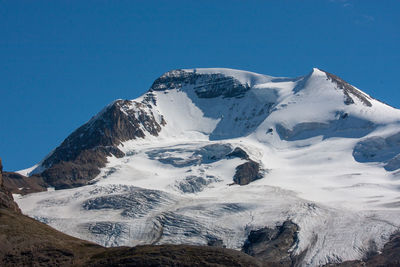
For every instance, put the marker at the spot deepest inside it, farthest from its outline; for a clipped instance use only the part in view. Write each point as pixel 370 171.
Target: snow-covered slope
pixel 316 151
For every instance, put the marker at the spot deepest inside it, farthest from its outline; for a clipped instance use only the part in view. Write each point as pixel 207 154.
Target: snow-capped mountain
pixel 211 156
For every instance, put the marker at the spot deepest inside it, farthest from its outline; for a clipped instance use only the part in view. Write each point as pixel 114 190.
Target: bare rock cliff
pixel 6 199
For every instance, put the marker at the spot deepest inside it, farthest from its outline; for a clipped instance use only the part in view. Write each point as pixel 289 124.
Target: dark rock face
pixel 204 85
pixel 247 173
pixel 272 244
pixel 6 199
pixel 174 79
pixel 78 159
pixel 220 85
pixel 19 184
pixel 349 91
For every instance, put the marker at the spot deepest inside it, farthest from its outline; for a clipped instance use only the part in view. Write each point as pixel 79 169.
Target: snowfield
pixel 328 165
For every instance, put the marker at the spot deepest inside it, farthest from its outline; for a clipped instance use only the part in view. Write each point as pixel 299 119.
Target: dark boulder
pixel 247 173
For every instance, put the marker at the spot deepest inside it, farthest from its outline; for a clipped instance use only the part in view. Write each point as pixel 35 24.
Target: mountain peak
pixel 317 71
pixel 208 101
pixel 350 93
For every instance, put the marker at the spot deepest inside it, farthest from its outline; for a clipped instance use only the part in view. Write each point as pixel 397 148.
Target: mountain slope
pixel 210 155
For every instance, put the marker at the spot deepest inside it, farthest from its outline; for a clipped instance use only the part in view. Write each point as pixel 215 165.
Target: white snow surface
pixel 299 130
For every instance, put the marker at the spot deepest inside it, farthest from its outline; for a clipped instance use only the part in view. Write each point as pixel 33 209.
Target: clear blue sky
pixel 63 61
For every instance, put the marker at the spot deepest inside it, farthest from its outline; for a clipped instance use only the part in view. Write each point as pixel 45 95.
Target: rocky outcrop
pixel 273 244
pixel 204 85
pixel 78 159
pixel 19 184
pixel 220 85
pixel 247 173
pixel 349 91
pixel 6 199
